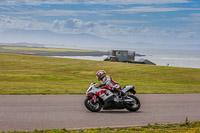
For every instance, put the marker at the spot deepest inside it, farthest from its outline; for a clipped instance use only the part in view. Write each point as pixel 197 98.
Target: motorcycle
pixel 96 99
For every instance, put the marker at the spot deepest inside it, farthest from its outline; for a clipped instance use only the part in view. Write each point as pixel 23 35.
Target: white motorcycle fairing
pixel 102 93
pixel 128 88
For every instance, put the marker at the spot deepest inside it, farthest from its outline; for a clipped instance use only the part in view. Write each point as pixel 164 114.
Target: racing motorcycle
pixel 97 98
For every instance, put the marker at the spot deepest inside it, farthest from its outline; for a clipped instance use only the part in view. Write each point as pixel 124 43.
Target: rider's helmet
pixel 101 74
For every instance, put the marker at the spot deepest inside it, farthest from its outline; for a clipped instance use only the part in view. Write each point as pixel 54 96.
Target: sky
pixel 169 24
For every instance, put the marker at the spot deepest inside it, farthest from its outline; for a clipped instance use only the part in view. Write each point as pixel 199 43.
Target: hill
pixel 51 39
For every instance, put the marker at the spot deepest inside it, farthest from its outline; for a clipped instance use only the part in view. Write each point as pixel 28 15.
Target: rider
pixel 108 82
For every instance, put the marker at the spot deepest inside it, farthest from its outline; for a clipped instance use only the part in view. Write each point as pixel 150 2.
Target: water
pixel 96 58
pixel 176 58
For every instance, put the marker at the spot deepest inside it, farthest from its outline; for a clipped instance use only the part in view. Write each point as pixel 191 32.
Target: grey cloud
pixel 151 9
pixel 72 23
pixel 7 22
pixel 103 2
pixel 54 12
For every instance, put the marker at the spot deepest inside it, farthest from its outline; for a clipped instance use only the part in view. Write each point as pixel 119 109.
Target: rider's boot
pixel 121 93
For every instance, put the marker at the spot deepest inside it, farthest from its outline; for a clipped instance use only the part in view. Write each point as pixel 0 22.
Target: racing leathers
pixel 109 83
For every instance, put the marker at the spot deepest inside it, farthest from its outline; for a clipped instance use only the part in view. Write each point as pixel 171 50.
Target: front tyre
pixel 134 105
pixel 91 106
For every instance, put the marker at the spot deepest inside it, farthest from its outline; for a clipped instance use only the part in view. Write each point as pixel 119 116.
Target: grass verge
pixel 29 74
pixel 187 127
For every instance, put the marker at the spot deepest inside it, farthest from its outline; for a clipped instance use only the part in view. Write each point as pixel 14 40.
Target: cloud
pixel 99 28
pixel 125 21
pixel 63 12
pixel 195 14
pixel 128 2
pixel 57 12
pixel 72 25
pixel 53 12
pixel 189 34
pixel 102 2
pixel 151 9
pixel 116 29
pixel 194 17
pixel 7 22
pixel 4 8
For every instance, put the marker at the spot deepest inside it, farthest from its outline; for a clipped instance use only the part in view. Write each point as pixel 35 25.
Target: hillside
pixel 43 51
pixel 30 74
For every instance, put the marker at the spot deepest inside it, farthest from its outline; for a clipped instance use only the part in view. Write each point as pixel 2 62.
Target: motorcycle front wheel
pixel 91 106
pixel 133 106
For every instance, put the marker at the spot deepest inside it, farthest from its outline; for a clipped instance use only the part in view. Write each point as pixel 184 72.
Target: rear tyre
pixel 133 106
pixel 91 106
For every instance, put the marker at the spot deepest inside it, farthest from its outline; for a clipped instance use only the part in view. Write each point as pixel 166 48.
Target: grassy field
pixel 29 74
pixel 187 127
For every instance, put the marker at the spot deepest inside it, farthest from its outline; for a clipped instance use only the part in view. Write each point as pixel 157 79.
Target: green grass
pixel 41 49
pixel 28 74
pixel 187 127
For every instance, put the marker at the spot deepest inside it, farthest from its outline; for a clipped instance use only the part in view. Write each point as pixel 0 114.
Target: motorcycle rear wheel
pixel 93 107
pixel 133 107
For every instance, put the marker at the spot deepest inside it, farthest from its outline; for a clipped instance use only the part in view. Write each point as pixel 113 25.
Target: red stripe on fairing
pixel 100 93
pixel 106 87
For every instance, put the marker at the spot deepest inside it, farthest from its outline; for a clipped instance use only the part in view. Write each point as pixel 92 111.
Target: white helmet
pixel 100 74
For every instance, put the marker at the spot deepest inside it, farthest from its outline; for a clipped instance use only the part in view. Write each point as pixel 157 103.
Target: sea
pixel 161 57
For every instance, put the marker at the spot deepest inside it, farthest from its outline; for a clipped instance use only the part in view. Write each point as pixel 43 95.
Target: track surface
pixel 28 112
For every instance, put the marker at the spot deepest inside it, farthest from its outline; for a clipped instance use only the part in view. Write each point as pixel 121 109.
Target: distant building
pixel 122 55
pixel 125 56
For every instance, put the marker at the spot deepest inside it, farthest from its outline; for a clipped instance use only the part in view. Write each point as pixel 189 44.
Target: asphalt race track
pixel 29 112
